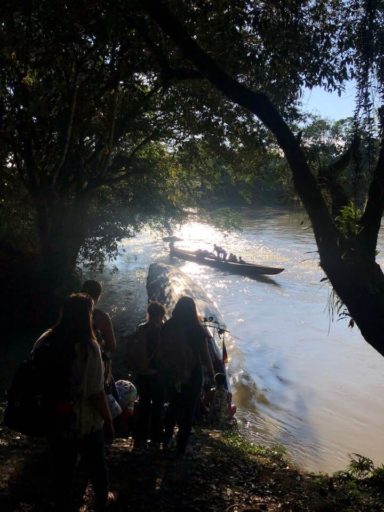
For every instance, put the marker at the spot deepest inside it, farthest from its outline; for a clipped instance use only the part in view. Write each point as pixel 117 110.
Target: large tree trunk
pixel 359 282
pixel 62 231
pixel 360 285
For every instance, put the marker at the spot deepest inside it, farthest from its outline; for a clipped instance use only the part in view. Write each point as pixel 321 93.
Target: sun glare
pixel 196 235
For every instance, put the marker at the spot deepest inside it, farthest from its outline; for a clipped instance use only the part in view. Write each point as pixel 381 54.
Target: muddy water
pixel 299 379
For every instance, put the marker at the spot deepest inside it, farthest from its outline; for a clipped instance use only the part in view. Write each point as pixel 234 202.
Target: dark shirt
pixel 152 342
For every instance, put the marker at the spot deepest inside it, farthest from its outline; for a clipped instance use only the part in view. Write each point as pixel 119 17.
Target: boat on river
pixel 206 258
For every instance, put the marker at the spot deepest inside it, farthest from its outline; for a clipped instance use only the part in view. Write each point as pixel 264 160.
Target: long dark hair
pixel 73 328
pixel 185 314
pixel 75 320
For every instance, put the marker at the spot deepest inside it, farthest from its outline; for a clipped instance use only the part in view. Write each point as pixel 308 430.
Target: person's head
pixel 93 288
pixel 220 380
pixel 156 312
pixel 185 311
pixel 76 317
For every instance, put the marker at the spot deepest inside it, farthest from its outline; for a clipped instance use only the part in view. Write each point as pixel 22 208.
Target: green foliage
pixel 349 221
pixel 17 220
pixel 235 440
pixel 358 488
pixel 360 466
pixel 354 489
pixel 324 140
pixel 100 111
pixel 229 174
pixel 337 309
pixel 94 104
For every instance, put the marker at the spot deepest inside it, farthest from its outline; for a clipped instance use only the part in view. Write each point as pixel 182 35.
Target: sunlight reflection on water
pixel 313 385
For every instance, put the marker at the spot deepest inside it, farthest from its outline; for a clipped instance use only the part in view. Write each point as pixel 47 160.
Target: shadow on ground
pixel 223 474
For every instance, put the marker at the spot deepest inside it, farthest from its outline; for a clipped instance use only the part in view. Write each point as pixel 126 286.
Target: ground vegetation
pixel 225 472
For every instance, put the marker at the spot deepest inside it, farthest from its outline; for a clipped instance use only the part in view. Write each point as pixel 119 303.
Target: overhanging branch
pixel 117 177
pixel 329 177
pixel 325 231
pixel 57 170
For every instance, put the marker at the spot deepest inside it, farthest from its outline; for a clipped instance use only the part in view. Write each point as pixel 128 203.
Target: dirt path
pixel 223 474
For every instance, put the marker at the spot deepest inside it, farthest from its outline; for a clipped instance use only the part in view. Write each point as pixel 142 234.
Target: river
pixel 300 379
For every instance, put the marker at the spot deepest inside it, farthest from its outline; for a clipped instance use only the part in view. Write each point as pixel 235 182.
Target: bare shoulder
pixel 41 339
pixel 100 317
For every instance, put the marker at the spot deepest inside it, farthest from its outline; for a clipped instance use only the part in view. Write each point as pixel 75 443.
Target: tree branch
pixel 107 148
pixel 168 72
pixel 329 178
pixel 56 172
pixel 93 184
pixel 182 73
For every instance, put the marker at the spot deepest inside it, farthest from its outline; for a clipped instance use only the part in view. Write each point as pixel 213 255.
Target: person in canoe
pixel 220 252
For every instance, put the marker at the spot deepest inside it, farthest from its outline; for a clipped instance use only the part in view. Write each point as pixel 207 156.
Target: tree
pixel 347 258
pixel 85 90
pixel 93 97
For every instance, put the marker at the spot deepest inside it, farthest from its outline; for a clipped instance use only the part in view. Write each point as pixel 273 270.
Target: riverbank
pixel 224 473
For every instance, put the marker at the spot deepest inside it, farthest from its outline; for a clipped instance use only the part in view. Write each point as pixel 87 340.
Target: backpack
pixel 32 407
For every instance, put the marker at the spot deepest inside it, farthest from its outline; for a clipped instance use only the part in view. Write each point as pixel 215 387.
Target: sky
pixel 330 105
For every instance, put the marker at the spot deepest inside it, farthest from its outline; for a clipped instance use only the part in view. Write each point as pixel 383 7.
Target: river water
pixel 299 379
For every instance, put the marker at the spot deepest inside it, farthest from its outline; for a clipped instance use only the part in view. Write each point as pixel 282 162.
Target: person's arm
pixel 40 341
pixel 135 346
pixel 95 386
pixel 106 328
pixel 100 401
pixel 206 358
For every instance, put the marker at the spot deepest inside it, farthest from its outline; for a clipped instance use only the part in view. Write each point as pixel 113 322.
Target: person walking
pixel 76 372
pixel 148 381
pixel 103 329
pixel 184 352
pixel 101 321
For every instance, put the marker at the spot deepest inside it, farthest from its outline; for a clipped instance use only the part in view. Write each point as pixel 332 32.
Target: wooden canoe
pixel 166 284
pixel 245 269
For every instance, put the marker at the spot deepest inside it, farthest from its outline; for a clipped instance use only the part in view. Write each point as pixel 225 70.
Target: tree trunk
pixel 360 285
pixel 62 231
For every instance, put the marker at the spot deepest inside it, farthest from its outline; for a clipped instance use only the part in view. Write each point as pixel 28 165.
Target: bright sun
pixel 197 235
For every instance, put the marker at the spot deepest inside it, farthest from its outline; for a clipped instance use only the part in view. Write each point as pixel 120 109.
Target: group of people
pixel 170 360
pixel 222 255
